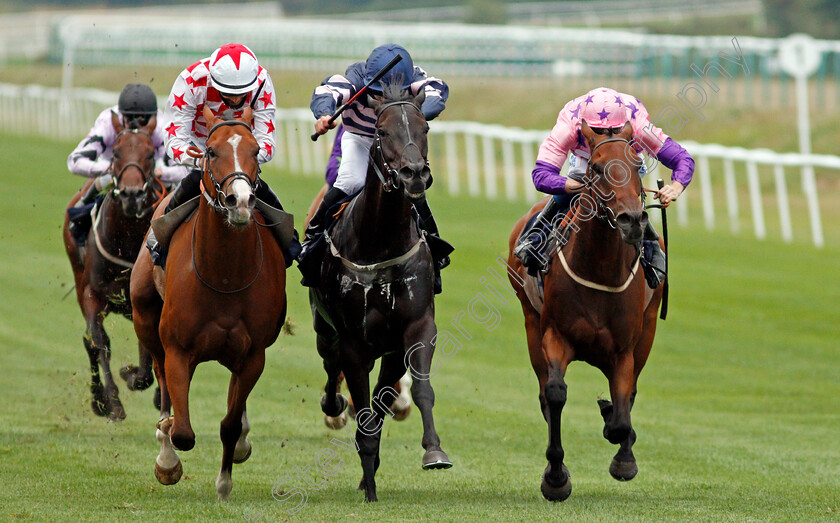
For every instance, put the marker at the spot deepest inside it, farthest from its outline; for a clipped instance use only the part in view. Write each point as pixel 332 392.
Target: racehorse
pixel 401 406
pixel 101 269
pixel 375 296
pixel 596 305
pixel 222 298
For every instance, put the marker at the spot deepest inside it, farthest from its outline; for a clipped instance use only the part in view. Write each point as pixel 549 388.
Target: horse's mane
pixel 392 91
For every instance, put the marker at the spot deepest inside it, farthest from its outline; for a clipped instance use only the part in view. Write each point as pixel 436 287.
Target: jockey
pixel 359 123
pixel 602 109
pixel 92 158
pixel 230 79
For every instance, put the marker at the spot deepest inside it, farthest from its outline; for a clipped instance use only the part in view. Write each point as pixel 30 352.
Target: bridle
pixel 390 179
pixel 604 212
pixel 217 202
pixel 148 176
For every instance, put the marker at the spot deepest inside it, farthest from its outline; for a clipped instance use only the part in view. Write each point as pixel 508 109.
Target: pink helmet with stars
pixel 603 108
pixel 233 69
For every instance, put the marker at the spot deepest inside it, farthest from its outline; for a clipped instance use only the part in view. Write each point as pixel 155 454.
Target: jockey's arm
pixel 552 155
pixel 673 156
pixel 178 116
pixel 437 92
pixel 264 120
pixel 87 159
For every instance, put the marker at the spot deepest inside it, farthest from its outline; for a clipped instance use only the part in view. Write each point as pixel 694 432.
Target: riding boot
pixel 534 244
pixel 309 260
pixel 189 188
pixel 440 248
pixel 653 259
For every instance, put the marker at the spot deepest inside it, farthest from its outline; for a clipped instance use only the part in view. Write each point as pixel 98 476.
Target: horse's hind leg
pixel 419 358
pixel 139 377
pixel 241 385
pixel 99 404
pixel 556 483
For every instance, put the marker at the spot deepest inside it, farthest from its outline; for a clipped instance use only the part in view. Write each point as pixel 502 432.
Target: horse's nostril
pixel 230 201
pixel 252 201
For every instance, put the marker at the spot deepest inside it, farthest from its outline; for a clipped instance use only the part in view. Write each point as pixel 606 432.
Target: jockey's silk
pixel 566 137
pixel 184 116
pixel 359 118
pixel 92 157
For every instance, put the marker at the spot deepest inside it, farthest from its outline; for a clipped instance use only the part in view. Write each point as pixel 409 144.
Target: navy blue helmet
pixel 380 57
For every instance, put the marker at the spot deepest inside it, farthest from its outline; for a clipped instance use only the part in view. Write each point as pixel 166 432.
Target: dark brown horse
pixel 102 268
pixel 596 307
pixel 375 298
pixel 225 298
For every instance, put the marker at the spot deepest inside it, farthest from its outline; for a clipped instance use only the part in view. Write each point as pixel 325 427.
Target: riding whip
pixel 375 79
pixel 663 311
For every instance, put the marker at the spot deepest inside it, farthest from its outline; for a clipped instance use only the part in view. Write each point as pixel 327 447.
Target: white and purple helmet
pixel 233 69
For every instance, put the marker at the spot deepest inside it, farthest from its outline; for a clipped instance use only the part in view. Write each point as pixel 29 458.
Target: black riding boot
pixel 653 259
pixel 439 248
pixel 265 194
pixel 309 261
pixel 533 245
pixel 89 197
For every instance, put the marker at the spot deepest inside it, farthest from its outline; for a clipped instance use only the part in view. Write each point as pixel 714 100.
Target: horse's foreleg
pixel 98 343
pixel 179 372
pixel 168 468
pixel 617 427
pixel 368 422
pixel 418 351
pixel 556 483
pixel 230 431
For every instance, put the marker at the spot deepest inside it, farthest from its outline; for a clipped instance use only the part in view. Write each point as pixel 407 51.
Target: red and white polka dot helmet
pixel 603 107
pixel 233 69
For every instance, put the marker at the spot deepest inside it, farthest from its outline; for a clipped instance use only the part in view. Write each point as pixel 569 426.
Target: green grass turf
pixel 736 413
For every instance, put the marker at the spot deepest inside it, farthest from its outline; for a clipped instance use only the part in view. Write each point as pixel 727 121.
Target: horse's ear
pixel 209 117
pixel 419 99
pixel 626 131
pixel 115 121
pixel 150 127
pixel 247 115
pixel 588 133
pixel 374 102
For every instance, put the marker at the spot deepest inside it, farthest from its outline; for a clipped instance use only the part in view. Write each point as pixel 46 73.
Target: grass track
pixel 736 412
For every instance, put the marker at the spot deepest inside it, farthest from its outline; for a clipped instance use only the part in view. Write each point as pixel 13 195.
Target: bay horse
pixel 101 268
pixel 222 298
pixel 596 304
pixel 375 296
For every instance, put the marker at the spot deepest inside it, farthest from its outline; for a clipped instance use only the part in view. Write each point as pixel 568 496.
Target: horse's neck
pixel 222 249
pixel 597 252
pixel 382 225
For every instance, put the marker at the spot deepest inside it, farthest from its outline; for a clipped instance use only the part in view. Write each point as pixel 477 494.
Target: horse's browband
pixel 227 122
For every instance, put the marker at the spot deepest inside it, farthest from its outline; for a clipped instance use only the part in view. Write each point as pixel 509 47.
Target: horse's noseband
pixel 391 180
pixel 218 201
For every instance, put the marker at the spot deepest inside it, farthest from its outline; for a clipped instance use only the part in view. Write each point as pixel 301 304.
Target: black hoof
pixel 560 493
pixel 99 407
pixel 131 375
pixel 156 399
pixel 337 408
pixel 117 412
pixel 436 459
pixel 623 470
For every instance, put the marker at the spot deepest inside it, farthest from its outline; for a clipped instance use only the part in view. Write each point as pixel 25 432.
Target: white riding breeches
pixel 355 156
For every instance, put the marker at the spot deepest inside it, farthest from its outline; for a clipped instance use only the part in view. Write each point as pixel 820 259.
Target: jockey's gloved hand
pixel 100 167
pixel 102 181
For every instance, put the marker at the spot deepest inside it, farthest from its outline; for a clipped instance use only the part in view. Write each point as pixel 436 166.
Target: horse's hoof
pixel 247 454
pixel 371 498
pixel 337 422
pixel 129 373
pixel 168 476
pixel 99 407
pixel 623 470
pixel 399 412
pixel 335 409
pixel 117 412
pixel 560 493
pixel 436 459
pixel 156 399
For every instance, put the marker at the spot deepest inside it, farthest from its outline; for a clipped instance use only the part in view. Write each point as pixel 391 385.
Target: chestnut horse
pixel 375 297
pixel 596 307
pixel 101 268
pixel 224 298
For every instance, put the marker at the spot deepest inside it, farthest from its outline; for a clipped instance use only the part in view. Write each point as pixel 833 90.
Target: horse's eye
pixel 210 153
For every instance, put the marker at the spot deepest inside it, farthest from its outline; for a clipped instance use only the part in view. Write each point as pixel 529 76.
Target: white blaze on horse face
pixel 234 142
